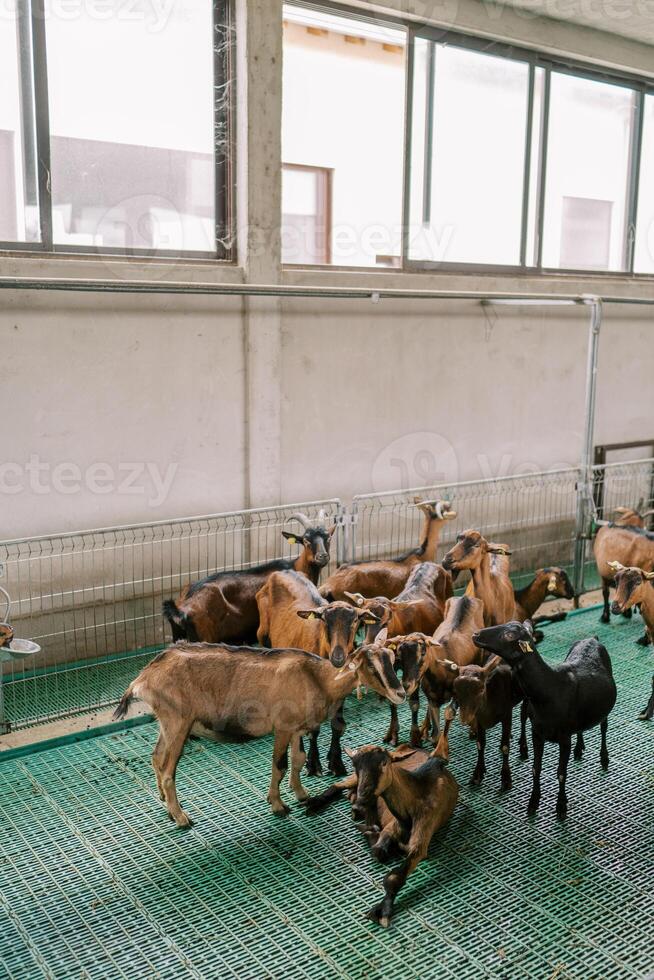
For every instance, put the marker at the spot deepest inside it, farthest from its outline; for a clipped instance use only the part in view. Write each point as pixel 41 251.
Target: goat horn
pixel 355 597
pixel 649 575
pixel 647 513
pixel 616 566
pixel 302 518
pixel 620 510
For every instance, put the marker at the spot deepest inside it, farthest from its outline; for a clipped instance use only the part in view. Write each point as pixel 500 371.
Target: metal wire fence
pixel 92 600
pixel 534 514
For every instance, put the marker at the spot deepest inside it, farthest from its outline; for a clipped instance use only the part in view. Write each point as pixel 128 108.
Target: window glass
pixel 589 145
pixel 343 112
pixel 470 119
pixel 306 221
pixel 19 218
pixel 132 125
pixel 644 258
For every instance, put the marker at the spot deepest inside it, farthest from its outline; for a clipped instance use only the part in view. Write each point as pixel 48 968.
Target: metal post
pixel 584 486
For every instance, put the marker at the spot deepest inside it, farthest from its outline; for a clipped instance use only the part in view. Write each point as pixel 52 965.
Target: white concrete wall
pixel 336 392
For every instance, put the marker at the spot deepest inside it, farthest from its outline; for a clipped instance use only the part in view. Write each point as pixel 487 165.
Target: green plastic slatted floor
pixel 97 883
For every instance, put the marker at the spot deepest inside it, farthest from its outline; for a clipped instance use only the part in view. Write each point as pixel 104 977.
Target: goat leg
pixel 506 783
pixel 314 768
pixel 565 746
pixel 416 852
pixel 580 746
pixel 644 640
pixel 443 744
pixel 604 752
pixel 648 712
pixel 480 768
pixel 279 767
pixel 388 842
pixel 315 804
pixel 298 758
pixel 414 702
pixel 538 746
pixel 392 735
pixel 334 755
pixel 174 740
pixel 523 746
pixel 606 614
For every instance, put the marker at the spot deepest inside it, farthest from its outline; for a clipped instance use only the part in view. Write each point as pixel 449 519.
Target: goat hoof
pixel 506 785
pixel 376 914
pixel 280 809
pixel 391 738
pixel 183 820
pixel 643 641
pixel 561 811
pixel 605 618
pixel 604 760
pixel 627 614
pixel 644 716
pixel 337 768
pixel 314 768
pixel 476 780
pixel 532 807
pixel 524 753
pixel 578 755
pixel 416 741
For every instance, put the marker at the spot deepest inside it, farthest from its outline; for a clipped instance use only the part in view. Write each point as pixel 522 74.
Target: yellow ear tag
pixel 526 647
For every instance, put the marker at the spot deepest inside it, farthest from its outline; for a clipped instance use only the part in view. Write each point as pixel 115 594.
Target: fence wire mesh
pixel 533 514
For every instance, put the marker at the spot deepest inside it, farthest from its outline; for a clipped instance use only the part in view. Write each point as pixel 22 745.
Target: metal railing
pixel 92 599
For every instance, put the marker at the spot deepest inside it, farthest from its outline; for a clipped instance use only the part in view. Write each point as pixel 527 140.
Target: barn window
pixel 306 217
pixel 128 153
pixel 343 111
pixel 644 242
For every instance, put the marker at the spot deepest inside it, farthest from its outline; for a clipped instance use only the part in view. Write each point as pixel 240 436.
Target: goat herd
pixel 476 653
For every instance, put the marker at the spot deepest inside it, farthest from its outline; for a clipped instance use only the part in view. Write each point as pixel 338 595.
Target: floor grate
pixel 97 883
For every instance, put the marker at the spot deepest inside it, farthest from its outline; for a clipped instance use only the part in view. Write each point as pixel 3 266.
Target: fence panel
pixel 533 514
pixel 629 484
pixel 93 599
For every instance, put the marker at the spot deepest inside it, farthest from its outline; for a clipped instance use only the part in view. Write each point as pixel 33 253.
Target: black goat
pixel 569 698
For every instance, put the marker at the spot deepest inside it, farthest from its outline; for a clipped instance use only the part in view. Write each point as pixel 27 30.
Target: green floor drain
pixel 97 883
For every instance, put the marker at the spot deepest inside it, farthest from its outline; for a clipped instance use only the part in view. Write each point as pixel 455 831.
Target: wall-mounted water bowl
pixel 18 650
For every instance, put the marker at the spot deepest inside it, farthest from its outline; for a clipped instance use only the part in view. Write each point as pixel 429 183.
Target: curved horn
pixel 302 518
pixel 647 513
pixel 616 566
pixel 649 575
pixel 355 598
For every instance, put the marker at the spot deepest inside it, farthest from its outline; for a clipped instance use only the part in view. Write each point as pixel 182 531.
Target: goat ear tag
pixel 352 666
pixel 525 647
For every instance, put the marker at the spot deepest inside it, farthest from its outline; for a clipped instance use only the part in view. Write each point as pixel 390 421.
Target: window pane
pixel 466 200
pixel 644 260
pixel 19 219
pixel 306 221
pixel 587 173
pixel 131 118
pixel 343 111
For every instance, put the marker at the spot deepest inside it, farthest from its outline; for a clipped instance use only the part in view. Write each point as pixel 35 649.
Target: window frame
pixel 640 84
pixel 534 59
pixel 223 122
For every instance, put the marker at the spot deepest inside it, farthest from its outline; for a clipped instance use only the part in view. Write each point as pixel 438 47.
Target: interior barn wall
pixel 123 381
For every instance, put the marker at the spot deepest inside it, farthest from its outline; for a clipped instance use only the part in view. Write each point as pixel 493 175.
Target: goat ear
pixel 332 529
pixel 292 537
pixel 309 614
pixel 382 636
pixel 350 753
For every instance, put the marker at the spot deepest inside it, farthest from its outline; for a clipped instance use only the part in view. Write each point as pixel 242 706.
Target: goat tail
pixel 124 703
pixel 180 623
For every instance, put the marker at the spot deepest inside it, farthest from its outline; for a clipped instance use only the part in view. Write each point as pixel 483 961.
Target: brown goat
pixel 404 798
pixel 6 635
pixel 488 565
pixel 430 663
pixel 254 692
pixel 387 577
pixel 292 613
pixel 419 608
pixel 485 696
pixel 632 586
pixel 626 517
pixel 628 545
pixel 222 608
pixel 547 583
